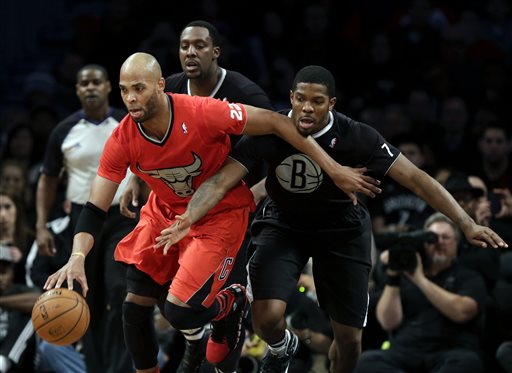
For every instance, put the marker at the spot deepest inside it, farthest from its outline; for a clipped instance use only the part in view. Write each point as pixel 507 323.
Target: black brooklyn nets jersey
pixel 297 184
pixel 232 87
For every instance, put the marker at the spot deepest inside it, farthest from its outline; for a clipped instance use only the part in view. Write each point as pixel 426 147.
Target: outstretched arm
pixel 204 199
pixel 426 187
pixel 350 180
pixel 102 194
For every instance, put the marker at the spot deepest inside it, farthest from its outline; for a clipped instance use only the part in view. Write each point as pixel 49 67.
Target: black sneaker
pixel 193 356
pixel 228 333
pixel 279 364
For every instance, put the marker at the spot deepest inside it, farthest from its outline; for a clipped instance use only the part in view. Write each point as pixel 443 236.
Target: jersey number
pixel 235 112
pixel 385 146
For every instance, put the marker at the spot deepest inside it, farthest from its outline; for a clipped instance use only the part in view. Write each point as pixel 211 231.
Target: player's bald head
pixel 141 64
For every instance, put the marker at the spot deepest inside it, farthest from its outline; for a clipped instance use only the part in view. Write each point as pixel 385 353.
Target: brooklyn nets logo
pixel 299 174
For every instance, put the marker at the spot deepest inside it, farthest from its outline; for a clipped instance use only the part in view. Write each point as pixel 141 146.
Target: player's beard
pixel 151 107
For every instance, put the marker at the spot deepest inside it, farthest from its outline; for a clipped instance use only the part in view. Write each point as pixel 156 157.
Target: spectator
pixel 453 145
pixel 432 311
pixel 13 178
pixel 473 199
pixel 494 165
pixel 17 339
pixel 14 231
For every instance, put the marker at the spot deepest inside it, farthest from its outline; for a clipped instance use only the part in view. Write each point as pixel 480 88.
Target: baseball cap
pixel 459 182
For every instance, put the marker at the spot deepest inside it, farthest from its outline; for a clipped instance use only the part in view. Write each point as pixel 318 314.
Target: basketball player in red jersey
pixel 306 216
pixel 174 142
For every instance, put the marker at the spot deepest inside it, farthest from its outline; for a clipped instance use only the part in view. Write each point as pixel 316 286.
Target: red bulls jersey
pixel 193 149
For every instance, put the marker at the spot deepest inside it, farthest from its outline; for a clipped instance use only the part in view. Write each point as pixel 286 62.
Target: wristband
pixel 393 281
pixel 91 220
pixel 78 253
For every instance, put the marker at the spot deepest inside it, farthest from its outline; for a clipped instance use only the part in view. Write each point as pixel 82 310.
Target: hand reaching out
pixel 130 195
pixel 45 242
pixel 174 234
pixel 352 181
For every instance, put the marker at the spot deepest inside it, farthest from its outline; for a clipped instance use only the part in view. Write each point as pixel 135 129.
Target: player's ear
pixel 291 96
pixel 216 53
pixel 161 84
pixel 332 102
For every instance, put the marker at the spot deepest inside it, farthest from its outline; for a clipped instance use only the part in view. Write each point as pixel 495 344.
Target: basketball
pixel 60 316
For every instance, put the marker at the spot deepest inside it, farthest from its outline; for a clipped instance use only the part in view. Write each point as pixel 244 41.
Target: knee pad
pixel 188 318
pixel 139 335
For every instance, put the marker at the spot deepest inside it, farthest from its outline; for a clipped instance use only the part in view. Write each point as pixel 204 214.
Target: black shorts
pixel 341 268
pixel 140 283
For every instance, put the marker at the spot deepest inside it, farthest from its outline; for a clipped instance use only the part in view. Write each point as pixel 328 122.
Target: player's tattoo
pixel 205 197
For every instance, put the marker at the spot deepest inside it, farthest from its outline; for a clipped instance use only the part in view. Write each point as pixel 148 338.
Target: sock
pixel 223 302
pixel 279 348
pixel 193 335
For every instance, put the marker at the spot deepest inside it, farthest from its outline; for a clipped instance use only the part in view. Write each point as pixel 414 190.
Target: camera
pixel 404 246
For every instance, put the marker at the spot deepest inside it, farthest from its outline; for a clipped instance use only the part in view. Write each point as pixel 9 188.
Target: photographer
pixel 431 312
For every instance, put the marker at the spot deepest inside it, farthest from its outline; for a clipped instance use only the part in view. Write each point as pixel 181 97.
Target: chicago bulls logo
pixel 179 179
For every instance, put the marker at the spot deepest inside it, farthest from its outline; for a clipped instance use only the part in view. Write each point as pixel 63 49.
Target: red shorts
pixel 199 264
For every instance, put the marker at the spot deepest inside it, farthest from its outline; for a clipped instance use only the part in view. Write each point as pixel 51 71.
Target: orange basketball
pixel 60 316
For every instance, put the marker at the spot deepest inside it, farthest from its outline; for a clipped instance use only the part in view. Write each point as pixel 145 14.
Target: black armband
pixel 393 281
pixel 91 220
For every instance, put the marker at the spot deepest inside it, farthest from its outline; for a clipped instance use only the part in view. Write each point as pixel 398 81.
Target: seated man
pixel 432 312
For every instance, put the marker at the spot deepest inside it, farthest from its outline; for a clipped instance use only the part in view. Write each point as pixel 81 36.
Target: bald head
pixel 142 87
pixel 142 63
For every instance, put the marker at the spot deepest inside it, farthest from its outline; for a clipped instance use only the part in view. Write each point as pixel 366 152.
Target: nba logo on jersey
pixel 333 143
pixel 299 174
pixel 184 127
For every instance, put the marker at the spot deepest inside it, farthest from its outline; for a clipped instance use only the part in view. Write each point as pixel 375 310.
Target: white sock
pixel 193 335
pixel 279 348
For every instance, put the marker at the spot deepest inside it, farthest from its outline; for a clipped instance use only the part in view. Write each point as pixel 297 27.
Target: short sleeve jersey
pixel 232 86
pixel 298 185
pixel 76 144
pixel 193 149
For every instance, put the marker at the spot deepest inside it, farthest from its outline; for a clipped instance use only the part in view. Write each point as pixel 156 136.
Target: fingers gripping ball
pixel 60 316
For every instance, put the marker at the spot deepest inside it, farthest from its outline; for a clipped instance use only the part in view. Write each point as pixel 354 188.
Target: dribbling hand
pixel 74 269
